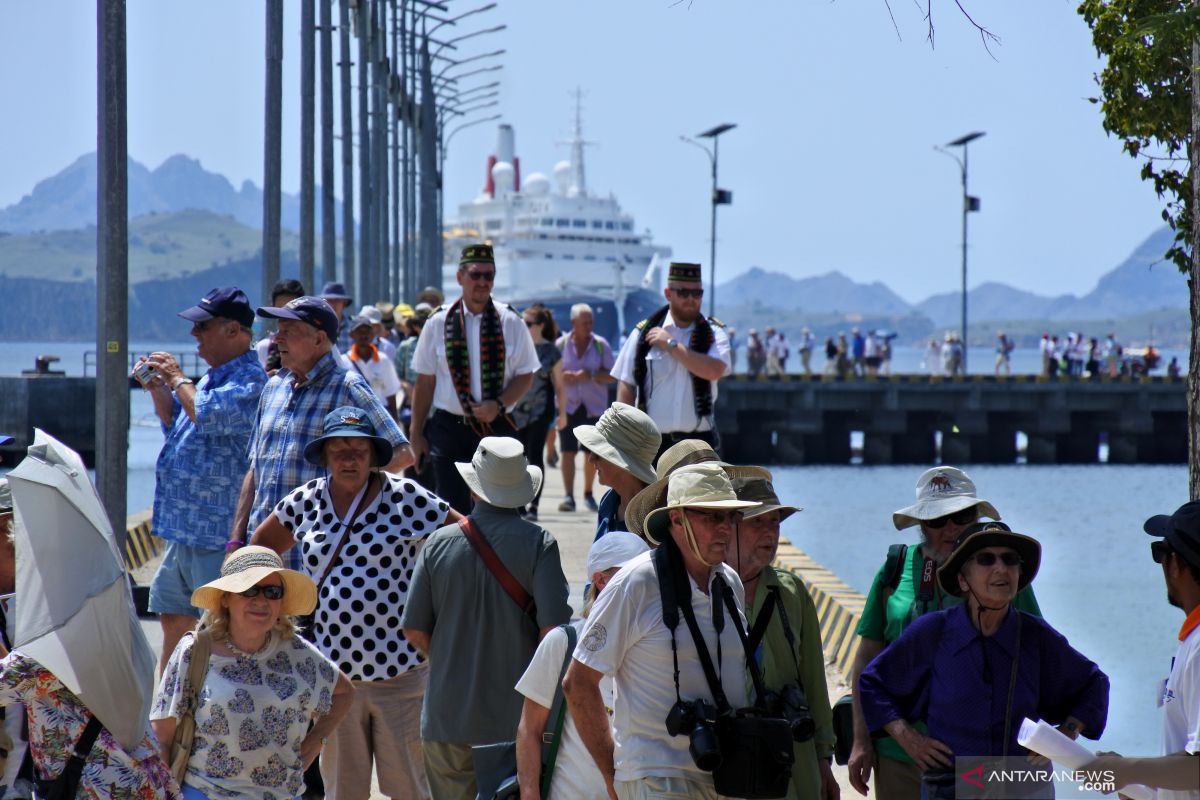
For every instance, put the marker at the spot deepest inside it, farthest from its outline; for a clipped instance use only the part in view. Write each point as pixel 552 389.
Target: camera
pixel 697 719
pixel 791 704
pixel 144 372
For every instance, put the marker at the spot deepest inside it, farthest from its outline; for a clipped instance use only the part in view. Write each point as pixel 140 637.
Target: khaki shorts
pixel 665 789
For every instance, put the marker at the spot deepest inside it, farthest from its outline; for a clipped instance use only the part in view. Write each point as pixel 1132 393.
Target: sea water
pixel 1097 584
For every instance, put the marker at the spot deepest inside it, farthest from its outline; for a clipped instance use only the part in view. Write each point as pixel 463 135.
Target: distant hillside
pixel 161 246
pixel 989 301
pixel 68 200
pixel 831 293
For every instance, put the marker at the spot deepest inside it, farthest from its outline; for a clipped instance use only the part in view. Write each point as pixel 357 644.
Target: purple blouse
pixel 596 356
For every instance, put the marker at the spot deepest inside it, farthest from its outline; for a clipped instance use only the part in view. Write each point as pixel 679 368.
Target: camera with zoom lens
pixel 697 720
pixel 791 704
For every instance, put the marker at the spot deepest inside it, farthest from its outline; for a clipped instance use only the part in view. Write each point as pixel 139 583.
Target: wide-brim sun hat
pixel 681 454
pixel 762 491
pixel 704 486
pixel 244 568
pixel 348 422
pixel 625 437
pixel 990 534
pixel 942 491
pixel 500 474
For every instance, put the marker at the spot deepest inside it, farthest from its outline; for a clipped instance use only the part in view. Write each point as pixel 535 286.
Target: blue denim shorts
pixel 183 570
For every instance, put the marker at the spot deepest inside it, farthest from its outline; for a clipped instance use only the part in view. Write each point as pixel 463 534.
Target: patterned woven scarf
pixel 491 354
pixel 701 340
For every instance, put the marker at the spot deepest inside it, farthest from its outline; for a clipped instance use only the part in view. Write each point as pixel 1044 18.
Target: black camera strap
pixel 787 632
pixel 676 597
pixel 760 688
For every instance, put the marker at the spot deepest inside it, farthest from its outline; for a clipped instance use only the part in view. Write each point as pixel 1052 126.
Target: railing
pixel 191 363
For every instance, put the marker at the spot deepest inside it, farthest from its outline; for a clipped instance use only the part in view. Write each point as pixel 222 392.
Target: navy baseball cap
pixel 1181 530
pixel 313 310
pixel 228 302
pixel 335 291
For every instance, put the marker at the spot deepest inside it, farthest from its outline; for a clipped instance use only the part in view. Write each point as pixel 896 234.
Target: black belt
pixel 461 419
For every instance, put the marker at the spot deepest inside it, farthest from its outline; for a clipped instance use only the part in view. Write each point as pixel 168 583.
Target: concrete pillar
pixel 1080 446
pixel 749 446
pixel 878 448
pixel 1042 449
pixel 915 447
pixel 1123 448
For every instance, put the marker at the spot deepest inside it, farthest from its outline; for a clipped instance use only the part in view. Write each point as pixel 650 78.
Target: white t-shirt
pixel 429 357
pixel 379 372
pixel 575 772
pixel 625 638
pixel 670 400
pixel 1181 707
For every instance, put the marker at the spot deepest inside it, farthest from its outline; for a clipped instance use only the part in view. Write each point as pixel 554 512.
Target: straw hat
pixel 761 490
pixel 244 568
pixel 612 550
pixel 500 474
pixel 990 534
pixel 942 491
pixel 348 422
pixel 697 486
pixel 626 437
pixel 680 454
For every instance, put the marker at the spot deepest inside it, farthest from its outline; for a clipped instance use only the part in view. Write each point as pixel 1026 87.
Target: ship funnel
pixel 505 144
pixel 502 178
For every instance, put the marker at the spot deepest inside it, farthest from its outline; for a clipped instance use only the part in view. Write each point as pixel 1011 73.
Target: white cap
pixel 612 550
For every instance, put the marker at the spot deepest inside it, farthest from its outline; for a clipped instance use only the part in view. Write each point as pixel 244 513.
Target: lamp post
pixel 969 204
pixel 719 197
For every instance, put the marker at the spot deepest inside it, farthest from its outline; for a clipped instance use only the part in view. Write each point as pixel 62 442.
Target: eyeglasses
pixel 1159 551
pixel 686 293
pixel 269 592
pixel 486 276
pixel 717 517
pixel 958 518
pixel 987 559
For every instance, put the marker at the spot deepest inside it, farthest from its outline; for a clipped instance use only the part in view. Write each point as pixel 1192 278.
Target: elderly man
pixel 310 384
pixel 587 361
pixel 670 365
pixel 483 593
pixel 367 360
pixel 791 654
pixel 474 360
pixel 200 467
pixel 654 664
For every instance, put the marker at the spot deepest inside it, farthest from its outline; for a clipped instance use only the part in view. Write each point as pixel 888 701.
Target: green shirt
pixel 888 612
pixel 778 662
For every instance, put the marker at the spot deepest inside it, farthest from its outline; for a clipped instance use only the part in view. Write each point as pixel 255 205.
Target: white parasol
pixel 75 612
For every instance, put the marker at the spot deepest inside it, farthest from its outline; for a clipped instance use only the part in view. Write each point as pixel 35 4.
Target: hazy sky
pixel 831 165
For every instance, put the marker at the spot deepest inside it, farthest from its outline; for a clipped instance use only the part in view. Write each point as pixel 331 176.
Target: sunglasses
pixel 958 518
pixel 685 293
pixel 1159 551
pixel 529 323
pixel 269 592
pixel 200 327
pixel 717 517
pixel 486 276
pixel 987 559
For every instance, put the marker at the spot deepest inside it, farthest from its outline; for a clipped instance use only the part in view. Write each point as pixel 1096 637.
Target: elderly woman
pixel 58 719
pixel 359 530
pixel 904 589
pixel 973 672
pixel 621 445
pixel 263 686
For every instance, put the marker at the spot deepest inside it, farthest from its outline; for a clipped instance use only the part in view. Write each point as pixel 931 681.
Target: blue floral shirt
pixel 289 417
pixel 202 464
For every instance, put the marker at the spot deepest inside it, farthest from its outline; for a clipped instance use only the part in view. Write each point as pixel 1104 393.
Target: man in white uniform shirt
pixel 626 639
pixel 669 366
pixel 474 360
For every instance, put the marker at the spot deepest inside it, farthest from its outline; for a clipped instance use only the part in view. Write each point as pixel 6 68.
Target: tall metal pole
pixel 965 210
pixel 394 146
pixel 365 213
pixel 273 136
pixel 112 265
pixel 328 221
pixel 411 270
pixel 307 140
pixel 427 151
pixel 348 259
pixel 379 158
pixel 712 245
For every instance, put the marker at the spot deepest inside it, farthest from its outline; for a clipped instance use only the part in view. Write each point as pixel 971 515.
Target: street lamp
pixel 719 197
pixel 440 21
pixel 458 63
pixel 452 42
pixel 455 78
pixel 969 204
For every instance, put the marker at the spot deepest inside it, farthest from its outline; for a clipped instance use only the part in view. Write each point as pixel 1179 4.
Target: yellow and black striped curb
pixel 838 606
pixel 141 545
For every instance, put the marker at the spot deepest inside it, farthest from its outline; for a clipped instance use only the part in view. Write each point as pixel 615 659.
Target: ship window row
pixel 603 239
pixel 564 222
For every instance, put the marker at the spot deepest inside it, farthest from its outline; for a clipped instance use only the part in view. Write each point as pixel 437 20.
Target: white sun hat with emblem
pixel 942 491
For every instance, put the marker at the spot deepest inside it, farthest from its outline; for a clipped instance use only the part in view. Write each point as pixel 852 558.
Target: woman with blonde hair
pixel 263 686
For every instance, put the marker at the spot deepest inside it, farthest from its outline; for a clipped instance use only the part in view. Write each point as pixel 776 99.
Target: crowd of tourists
pixel 358 588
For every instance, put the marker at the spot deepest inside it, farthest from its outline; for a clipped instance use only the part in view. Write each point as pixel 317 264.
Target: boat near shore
pixel 556 243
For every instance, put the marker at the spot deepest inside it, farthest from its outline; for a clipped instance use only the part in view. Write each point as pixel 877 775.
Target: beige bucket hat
pixel 624 436
pixel 244 568
pixel 942 491
pixel 696 486
pixel 681 454
pixel 500 474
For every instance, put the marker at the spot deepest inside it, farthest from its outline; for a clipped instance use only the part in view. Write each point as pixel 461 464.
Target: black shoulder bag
pixel 754 755
pixel 66 785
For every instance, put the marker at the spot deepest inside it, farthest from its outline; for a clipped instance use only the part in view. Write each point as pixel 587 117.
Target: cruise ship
pixel 557 244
